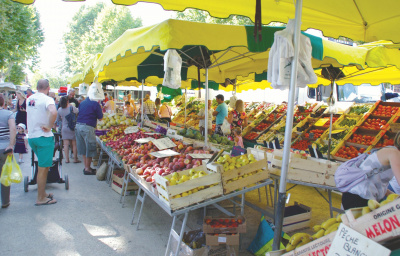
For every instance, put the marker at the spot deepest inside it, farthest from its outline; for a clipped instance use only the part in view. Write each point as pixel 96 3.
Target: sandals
pixel 5 205
pixel 77 161
pixel 48 202
pixel 91 172
pixel 67 162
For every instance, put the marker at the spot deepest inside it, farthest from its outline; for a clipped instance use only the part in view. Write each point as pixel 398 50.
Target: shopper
pixel 71 97
pixel 220 113
pixel 133 104
pixel 29 93
pixel 157 103
pixel 238 139
pixel 20 118
pixel 110 105
pixel 165 112
pixel 149 107
pixel 128 109
pixel 202 122
pixel 67 134
pixel 237 118
pixel 42 114
pixel 7 142
pixel 89 113
pixel 21 142
pixel 381 166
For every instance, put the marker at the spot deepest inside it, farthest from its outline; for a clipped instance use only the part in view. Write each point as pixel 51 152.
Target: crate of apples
pixel 387 111
pixel 316 133
pixel 374 124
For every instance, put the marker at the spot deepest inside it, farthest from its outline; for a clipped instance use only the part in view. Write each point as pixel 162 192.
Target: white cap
pixel 22 125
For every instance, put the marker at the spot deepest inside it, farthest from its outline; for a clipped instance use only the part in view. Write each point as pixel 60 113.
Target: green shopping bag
pixel 5 178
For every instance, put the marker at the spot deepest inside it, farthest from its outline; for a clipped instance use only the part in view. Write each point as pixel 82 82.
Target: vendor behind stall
pixel 128 109
pixel 378 169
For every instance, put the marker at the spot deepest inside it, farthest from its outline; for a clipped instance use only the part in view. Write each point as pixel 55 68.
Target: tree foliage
pixel 56 80
pixel 20 35
pixel 92 28
pixel 203 16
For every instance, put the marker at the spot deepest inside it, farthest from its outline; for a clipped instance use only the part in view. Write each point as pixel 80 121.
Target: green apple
pixel 175 175
pixel 192 172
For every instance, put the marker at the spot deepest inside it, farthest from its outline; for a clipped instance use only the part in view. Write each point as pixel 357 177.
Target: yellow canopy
pixel 366 20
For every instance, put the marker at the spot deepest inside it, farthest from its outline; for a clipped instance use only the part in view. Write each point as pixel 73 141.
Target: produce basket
pixel 386 109
pixel 360 109
pixel 345 122
pixel 191 191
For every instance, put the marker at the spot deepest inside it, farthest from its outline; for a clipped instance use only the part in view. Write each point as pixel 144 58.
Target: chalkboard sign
pixel 237 151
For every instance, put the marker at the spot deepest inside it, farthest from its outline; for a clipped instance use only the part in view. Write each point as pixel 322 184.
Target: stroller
pixel 55 172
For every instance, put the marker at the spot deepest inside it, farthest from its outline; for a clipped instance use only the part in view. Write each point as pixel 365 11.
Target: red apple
pixel 149 179
pixel 139 171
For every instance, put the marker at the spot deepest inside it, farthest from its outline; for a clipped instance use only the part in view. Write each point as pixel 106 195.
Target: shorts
pixel 85 140
pixel 44 150
pixel 218 129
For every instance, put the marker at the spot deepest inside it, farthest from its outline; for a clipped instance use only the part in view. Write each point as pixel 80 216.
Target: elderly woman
pixel 68 135
pixel 20 118
pixel 7 142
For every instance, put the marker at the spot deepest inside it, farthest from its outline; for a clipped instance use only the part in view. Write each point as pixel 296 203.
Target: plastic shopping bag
pixel 6 172
pixel 226 127
pixel 96 92
pixel 16 174
pixel 83 88
pixel 172 69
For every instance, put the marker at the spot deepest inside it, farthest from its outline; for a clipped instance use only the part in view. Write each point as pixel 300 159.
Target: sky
pixel 55 15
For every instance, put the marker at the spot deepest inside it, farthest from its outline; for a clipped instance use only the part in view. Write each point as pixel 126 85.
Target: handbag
pixel 71 118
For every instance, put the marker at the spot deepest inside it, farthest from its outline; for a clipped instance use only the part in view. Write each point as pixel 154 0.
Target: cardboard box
pixel 380 225
pixel 297 216
pixel 319 246
pixel 217 239
pixel 225 227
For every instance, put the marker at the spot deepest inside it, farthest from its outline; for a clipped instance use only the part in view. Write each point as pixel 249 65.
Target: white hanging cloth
pixel 281 56
pixel 172 69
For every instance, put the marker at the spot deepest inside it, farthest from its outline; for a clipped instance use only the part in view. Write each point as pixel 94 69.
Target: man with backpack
pixel 89 113
pixel 367 176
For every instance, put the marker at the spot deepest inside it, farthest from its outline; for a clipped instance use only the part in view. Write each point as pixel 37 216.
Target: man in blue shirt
pixel 220 113
pixel 89 112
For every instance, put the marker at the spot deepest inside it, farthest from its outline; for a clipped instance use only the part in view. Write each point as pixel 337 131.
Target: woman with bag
pixel 165 112
pixel 367 176
pixel 21 108
pixel 8 133
pixel 67 134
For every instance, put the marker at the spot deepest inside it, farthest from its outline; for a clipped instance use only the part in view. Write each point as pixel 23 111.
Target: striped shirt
pixel 5 115
pixel 149 107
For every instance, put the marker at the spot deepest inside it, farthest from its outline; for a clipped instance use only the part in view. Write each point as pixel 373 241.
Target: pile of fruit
pixel 374 124
pixel 349 152
pixel 316 133
pixel 231 163
pixel 348 122
pixel 268 136
pixel 388 111
pixel 224 223
pixel 221 140
pixel 113 120
pixel 299 117
pixel 385 141
pixel 359 110
pixel 301 145
pixel 251 136
pixel 332 224
pixel 361 139
pixel 327 124
pixel 262 126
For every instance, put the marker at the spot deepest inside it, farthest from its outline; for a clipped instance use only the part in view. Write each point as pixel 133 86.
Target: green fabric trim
pixel 268 39
pixel 211 85
pixel 169 91
pixel 260 77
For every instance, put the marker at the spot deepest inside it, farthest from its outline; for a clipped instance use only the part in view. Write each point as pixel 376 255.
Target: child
pixel 21 142
pixel 237 132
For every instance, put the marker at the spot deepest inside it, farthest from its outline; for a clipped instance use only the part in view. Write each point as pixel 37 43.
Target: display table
pixel 185 211
pixel 276 179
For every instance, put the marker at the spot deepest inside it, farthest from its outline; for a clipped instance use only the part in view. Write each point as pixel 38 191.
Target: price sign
pixel 322 122
pixel 145 140
pixel 201 156
pixel 349 242
pixel 164 153
pixel 131 129
pixel 164 143
pixel 336 131
pixel 237 151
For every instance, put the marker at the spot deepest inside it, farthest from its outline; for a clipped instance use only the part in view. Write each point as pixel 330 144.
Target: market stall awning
pixel 139 52
pixel 363 20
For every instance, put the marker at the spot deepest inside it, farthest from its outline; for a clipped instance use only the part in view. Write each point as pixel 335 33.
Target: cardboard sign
pixel 164 153
pixel 336 131
pixel 238 151
pixel 349 242
pixel 201 156
pixel 164 143
pixel 145 140
pixel 131 129
pixel 322 122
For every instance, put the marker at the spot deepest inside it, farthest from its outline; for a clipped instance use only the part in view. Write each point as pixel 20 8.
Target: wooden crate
pixel 120 189
pixel 343 117
pixel 382 224
pixel 234 179
pixel 317 171
pixel 120 180
pixel 168 192
pixel 385 103
pixel 297 216
pixel 208 229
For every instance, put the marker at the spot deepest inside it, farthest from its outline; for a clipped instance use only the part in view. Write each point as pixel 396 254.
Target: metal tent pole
pixel 141 105
pixel 280 206
pixel 206 111
pixel 185 106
